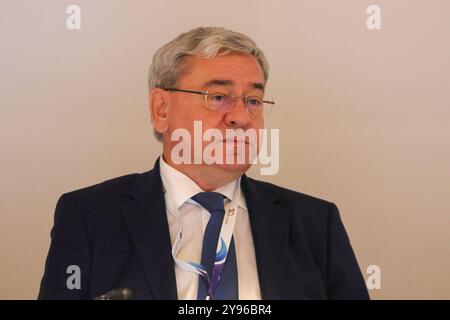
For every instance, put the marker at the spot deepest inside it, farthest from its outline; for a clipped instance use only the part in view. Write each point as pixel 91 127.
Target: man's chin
pixel 234 167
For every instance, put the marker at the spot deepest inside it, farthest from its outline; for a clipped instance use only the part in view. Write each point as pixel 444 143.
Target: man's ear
pixel 159 103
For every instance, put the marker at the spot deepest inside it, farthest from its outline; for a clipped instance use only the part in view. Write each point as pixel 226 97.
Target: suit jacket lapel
pixel 146 220
pixel 270 228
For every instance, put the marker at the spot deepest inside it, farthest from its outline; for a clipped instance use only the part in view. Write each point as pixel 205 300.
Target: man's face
pixel 237 75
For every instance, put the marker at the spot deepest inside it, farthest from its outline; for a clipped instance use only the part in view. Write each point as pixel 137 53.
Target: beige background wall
pixel 364 118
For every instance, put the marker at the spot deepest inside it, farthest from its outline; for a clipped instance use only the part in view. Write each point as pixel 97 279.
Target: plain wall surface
pixel 364 119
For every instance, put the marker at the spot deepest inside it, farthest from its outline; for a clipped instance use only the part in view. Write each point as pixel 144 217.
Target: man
pixel 195 229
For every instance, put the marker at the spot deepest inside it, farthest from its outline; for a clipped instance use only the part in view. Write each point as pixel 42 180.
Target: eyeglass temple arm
pixel 182 90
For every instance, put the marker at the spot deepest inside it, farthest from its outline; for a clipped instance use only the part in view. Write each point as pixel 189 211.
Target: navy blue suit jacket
pixel 117 233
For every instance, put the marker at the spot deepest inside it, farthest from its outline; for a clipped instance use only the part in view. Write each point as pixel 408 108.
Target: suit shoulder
pixel 105 186
pixel 103 193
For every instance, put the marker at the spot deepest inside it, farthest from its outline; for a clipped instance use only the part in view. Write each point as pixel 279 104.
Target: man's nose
pixel 237 116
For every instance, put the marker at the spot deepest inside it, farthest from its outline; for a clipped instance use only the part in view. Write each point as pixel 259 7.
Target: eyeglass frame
pixel 206 93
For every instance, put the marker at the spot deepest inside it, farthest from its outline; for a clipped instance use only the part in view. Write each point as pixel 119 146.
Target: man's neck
pixel 207 177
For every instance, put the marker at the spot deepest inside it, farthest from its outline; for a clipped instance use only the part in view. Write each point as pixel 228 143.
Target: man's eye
pixel 218 97
pixel 254 101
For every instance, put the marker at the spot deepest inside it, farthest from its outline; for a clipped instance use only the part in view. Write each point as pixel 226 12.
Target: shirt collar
pixel 184 188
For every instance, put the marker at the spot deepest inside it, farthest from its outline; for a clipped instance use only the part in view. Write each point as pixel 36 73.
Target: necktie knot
pixel 211 201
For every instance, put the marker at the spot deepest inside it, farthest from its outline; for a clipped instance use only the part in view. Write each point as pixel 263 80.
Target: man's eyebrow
pixel 224 82
pixel 258 85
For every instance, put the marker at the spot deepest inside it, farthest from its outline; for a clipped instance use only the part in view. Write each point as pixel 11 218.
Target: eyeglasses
pixel 219 101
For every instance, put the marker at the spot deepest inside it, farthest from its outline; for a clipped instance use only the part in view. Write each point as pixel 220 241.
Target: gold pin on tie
pixel 230 212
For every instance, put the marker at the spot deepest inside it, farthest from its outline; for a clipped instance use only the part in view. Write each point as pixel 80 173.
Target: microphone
pixel 117 294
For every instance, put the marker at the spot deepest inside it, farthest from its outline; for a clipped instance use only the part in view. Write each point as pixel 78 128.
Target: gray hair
pixel 207 42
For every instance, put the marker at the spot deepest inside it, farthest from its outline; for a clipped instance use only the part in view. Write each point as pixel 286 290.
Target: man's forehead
pixel 223 71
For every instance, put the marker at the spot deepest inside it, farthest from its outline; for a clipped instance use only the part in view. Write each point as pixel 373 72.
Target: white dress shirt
pixel 195 219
